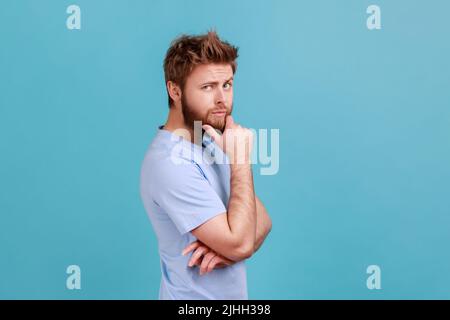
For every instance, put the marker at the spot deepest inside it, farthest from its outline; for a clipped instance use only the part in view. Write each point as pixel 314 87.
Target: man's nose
pixel 220 96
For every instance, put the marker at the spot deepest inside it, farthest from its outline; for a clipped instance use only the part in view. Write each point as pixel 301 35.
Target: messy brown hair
pixel 187 51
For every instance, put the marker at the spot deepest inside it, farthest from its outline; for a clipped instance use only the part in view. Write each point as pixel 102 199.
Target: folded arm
pixel 232 234
pixel 207 259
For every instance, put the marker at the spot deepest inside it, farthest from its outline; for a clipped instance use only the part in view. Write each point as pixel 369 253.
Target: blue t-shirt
pixel 182 187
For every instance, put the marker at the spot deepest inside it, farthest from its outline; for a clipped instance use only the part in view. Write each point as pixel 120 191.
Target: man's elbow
pixel 268 225
pixel 242 251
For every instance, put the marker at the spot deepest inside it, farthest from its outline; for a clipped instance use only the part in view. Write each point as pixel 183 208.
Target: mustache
pixel 222 109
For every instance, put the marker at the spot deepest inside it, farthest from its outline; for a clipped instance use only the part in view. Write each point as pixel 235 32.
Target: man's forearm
pixel 242 206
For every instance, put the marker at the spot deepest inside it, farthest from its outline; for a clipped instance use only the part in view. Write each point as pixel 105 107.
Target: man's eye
pixel 207 87
pixel 227 85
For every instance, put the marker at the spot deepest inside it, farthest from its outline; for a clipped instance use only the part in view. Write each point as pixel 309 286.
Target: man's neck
pixel 175 124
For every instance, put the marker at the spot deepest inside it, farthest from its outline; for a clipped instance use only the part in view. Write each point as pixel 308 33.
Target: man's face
pixel 208 95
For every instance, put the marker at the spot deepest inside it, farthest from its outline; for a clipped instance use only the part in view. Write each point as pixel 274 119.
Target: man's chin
pixel 215 123
pixel 219 127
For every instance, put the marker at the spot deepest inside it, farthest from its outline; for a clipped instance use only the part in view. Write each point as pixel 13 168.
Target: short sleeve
pixel 184 193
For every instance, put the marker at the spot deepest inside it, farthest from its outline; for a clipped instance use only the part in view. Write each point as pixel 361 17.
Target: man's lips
pixel 220 112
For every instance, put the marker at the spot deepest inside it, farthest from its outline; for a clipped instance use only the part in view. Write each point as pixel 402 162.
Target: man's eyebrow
pixel 216 82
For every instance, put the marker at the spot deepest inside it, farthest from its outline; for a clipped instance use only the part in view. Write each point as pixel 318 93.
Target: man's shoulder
pixel 168 155
pixel 168 164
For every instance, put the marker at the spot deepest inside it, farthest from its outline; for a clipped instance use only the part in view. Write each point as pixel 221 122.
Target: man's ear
pixel 174 91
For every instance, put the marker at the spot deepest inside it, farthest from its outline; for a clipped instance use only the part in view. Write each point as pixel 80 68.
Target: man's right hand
pixel 236 141
pixel 206 258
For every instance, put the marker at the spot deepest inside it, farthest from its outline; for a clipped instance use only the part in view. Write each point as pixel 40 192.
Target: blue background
pixel 364 143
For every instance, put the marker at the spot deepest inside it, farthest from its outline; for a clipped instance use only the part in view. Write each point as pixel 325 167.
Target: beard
pixel 217 122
